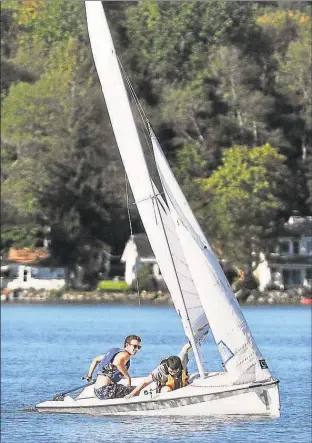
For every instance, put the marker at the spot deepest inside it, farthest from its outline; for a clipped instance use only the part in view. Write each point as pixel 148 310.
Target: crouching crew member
pixel 169 375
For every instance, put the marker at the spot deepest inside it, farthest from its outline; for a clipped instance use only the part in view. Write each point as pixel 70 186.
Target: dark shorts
pixel 114 390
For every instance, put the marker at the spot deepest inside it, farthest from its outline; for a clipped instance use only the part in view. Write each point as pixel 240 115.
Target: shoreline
pixel 291 297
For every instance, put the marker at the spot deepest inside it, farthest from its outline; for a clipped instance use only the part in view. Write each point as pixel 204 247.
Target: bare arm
pixel 186 347
pixel 184 354
pixel 94 364
pixel 147 381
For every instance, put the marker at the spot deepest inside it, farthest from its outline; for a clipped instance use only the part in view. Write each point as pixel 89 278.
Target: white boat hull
pixel 248 399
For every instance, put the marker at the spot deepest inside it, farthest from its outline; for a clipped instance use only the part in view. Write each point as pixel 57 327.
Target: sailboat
pixel 201 294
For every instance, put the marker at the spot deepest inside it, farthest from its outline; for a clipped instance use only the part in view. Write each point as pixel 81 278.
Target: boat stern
pixel 55 405
pixel 270 396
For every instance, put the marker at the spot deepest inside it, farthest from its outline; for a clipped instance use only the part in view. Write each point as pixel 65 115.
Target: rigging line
pixel 145 128
pixel 134 96
pixel 131 233
pixel 145 122
pixel 144 118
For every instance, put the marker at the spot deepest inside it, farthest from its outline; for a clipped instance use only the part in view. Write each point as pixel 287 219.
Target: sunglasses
pixel 135 346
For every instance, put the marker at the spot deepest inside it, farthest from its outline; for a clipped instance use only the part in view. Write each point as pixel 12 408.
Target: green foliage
pixel 212 74
pixel 86 205
pixel 113 286
pixel 245 199
pixel 37 122
pixel 35 112
pixel 18 236
pixel 57 293
pixel 189 164
pixel 51 21
pixel 295 75
pixel 247 108
pixel 144 278
pixel 171 38
pixel 10 32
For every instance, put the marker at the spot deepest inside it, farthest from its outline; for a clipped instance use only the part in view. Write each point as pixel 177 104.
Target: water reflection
pixel 72 429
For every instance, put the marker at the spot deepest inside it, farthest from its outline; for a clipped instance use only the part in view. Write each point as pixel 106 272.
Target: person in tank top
pixel 112 367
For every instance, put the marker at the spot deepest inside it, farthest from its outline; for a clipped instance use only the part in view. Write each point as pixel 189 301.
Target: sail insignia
pixel 263 364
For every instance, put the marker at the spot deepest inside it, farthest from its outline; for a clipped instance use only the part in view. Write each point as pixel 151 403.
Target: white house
pixel 137 252
pixel 289 265
pixel 24 270
pixel 38 278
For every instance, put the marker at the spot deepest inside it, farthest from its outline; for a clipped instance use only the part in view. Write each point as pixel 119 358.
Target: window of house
pixel 309 245
pixel 309 274
pixel 13 272
pixel 291 277
pixel 296 277
pixel 48 273
pixel 284 246
pixel 296 246
pixel 286 277
pixel 34 272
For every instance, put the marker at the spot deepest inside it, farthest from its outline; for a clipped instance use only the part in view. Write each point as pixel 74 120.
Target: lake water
pixel 47 348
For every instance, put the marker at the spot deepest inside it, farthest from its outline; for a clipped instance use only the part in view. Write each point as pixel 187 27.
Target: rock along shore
pixel 253 297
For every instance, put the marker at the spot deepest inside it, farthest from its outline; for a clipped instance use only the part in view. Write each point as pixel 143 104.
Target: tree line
pixel 227 89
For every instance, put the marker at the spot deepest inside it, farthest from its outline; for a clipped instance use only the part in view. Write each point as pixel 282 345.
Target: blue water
pixel 47 348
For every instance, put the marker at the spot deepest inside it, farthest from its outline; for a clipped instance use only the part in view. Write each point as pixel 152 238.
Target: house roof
pixel 27 256
pixel 143 246
pixel 297 226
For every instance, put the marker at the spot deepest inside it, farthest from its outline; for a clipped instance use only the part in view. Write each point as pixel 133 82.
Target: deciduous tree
pixel 245 200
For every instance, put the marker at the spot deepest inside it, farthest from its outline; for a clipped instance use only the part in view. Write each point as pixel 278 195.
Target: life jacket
pixel 178 381
pixel 107 368
pixel 175 382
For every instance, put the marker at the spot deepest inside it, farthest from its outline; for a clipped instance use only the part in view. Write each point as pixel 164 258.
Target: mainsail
pixel 153 210
pixel 196 282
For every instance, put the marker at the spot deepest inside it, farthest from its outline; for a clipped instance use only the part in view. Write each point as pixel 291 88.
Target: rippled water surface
pixel 46 349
